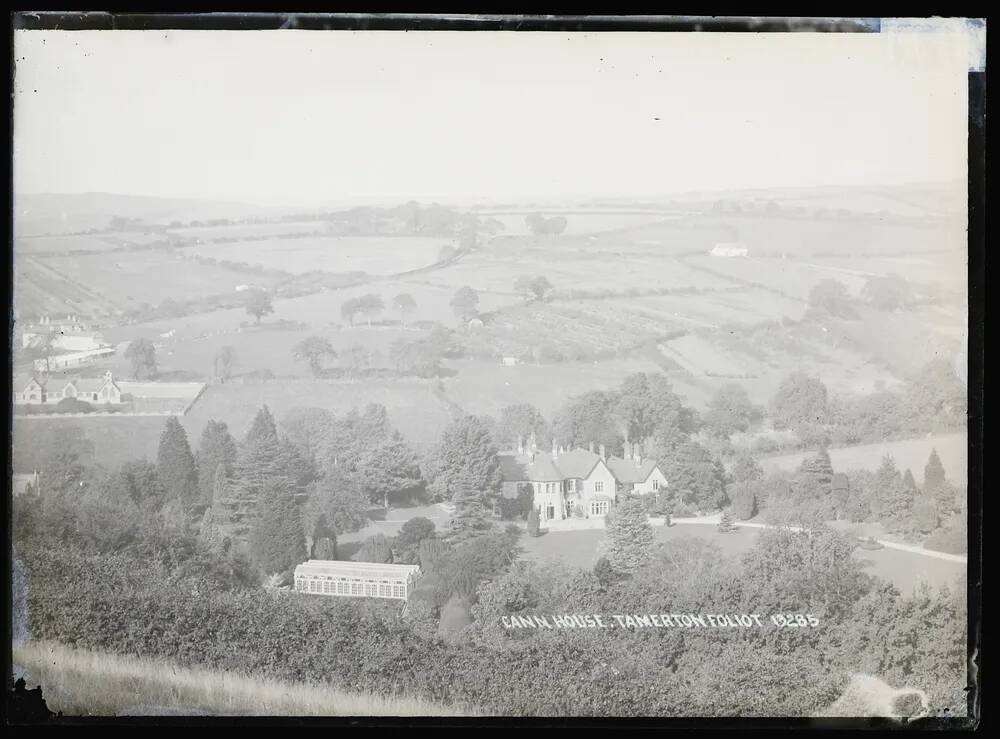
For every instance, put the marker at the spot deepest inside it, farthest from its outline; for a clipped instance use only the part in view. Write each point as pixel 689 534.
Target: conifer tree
pixel 216 448
pixel 534 525
pixel 934 476
pixel 277 541
pixel 263 426
pixel 629 537
pixel 175 466
pixel 726 522
pixel 466 460
pixel 376 548
pixel 470 518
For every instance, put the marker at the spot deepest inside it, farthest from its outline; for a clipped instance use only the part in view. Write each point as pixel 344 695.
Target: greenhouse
pixel 356 579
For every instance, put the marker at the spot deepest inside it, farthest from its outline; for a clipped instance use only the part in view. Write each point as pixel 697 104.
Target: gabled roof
pixel 90 384
pixel 578 463
pixel 21 382
pixel 521 468
pixel 627 471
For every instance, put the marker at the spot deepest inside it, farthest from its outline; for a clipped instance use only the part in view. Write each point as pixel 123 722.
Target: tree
pixel 314 349
pixel 521 421
pixel 356 357
pixel 411 535
pixel 746 468
pixel 744 500
pixel 258 304
pixel 421 358
pixel 465 460
pixel 404 304
pixel 388 469
pixel 455 617
pixel 225 363
pixel 262 426
pixel 629 537
pixel 371 306
pixel 801 400
pixel 464 303
pixel 829 298
pixel 216 448
pixel 431 553
pixel 350 309
pixel 533 288
pixel 730 410
pixel 589 418
pixel 43 346
pixel 175 465
pixel 325 548
pixel 534 524
pixel 697 480
pixel 277 541
pixel 934 476
pixel 726 522
pixel 646 403
pixel 470 518
pixel 142 354
pixel 815 476
pixel 375 548
pixel 338 497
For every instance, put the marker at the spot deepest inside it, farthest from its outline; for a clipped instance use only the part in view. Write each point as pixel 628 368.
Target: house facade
pixel 37 390
pixel 577 483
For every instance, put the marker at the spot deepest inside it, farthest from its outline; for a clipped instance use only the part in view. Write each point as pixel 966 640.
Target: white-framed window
pixel 599 508
pixel 550 512
pixel 598 487
pixel 656 484
pixel 399 591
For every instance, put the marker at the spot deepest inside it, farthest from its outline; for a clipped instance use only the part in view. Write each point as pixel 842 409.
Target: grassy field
pixel 38 245
pixel 376 255
pixel 576 223
pixel 905 570
pixel 486 387
pixel 910 454
pixel 85 683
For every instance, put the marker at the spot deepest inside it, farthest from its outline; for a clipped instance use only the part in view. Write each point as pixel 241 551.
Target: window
pixel 598 487
pixel 656 484
pixel 550 512
pixel 356 588
pixel 313 586
pixel 599 508
pixel 399 591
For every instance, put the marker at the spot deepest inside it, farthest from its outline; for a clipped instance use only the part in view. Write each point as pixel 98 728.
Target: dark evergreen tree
pixel 726 522
pixel 471 517
pixel 263 426
pixel 325 548
pixel 465 465
pixel 375 548
pixel 934 476
pixel 629 536
pixel 277 541
pixel 216 448
pixel 175 465
pixel 534 524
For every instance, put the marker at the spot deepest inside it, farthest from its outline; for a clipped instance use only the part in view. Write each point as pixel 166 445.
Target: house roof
pixel 21 382
pixel 578 463
pixel 521 468
pixel 89 384
pixel 627 471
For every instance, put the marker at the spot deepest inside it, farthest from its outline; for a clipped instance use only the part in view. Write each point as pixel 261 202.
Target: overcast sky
pixel 312 118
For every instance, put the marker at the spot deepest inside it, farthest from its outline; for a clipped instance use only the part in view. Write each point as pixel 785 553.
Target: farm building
pixel 356 579
pixel 510 361
pixel 578 483
pixel 730 249
pixel 28 389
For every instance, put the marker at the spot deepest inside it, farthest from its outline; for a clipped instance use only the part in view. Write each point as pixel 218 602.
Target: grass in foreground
pixel 84 683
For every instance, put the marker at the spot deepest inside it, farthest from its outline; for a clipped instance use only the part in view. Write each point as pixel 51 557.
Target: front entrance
pixel 550 512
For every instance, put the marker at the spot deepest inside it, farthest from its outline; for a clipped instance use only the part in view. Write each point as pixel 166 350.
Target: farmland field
pixel 576 223
pixel 909 454
pixel 37 245
pixel 375 255
pixel 126 280
pixel 486 387
pixel 251 230
pixel 905 570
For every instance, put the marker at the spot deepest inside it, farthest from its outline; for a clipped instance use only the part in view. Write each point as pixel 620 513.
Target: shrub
pixel 534 523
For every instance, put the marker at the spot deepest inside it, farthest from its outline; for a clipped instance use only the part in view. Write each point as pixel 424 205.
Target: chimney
pixel 627 451
pixel 601 450
pixel 591 447
pixel 533 443
pixel 555 449
pixel 520 444
pixel 637 454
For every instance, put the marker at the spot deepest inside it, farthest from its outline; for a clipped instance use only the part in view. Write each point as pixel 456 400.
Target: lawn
pixel 79 682
pixel 375 255
pixel 911 454
pixel 905 570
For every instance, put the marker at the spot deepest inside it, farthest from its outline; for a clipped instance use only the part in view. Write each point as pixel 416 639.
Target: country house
pixel 577 483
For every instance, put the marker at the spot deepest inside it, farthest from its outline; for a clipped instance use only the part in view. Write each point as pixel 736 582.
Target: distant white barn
pixel 730 249
pixel 356 579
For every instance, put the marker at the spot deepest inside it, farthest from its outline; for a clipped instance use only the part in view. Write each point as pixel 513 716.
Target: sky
pixel 309 118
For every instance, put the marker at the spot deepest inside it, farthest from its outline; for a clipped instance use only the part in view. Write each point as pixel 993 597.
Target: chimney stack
pixel 591 447
pixel 601 450
pixel 627 452
pixel 637 454
pixel 555 449
pixel 533 442
pixel 520 444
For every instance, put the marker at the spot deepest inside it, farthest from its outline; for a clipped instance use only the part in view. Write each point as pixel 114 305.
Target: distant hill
pixel 38 214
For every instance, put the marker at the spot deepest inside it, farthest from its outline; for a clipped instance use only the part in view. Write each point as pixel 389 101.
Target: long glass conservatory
pixel 355 579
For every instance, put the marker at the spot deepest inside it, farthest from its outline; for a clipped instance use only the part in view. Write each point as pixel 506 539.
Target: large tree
pixel 829 299
pixel 464 303
pixel 730 410
pixel 314 349
pixel 142 354
pixel 888 293
pixel 521 421
pixel 629 544
pixel 589 418
pixel 465 462
pixel 277 539
pixel 801 400
pixel 217 447
pixel 225 363
pixel 404 304
pixel 175 465
pixel 257 303
pixel 388 469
